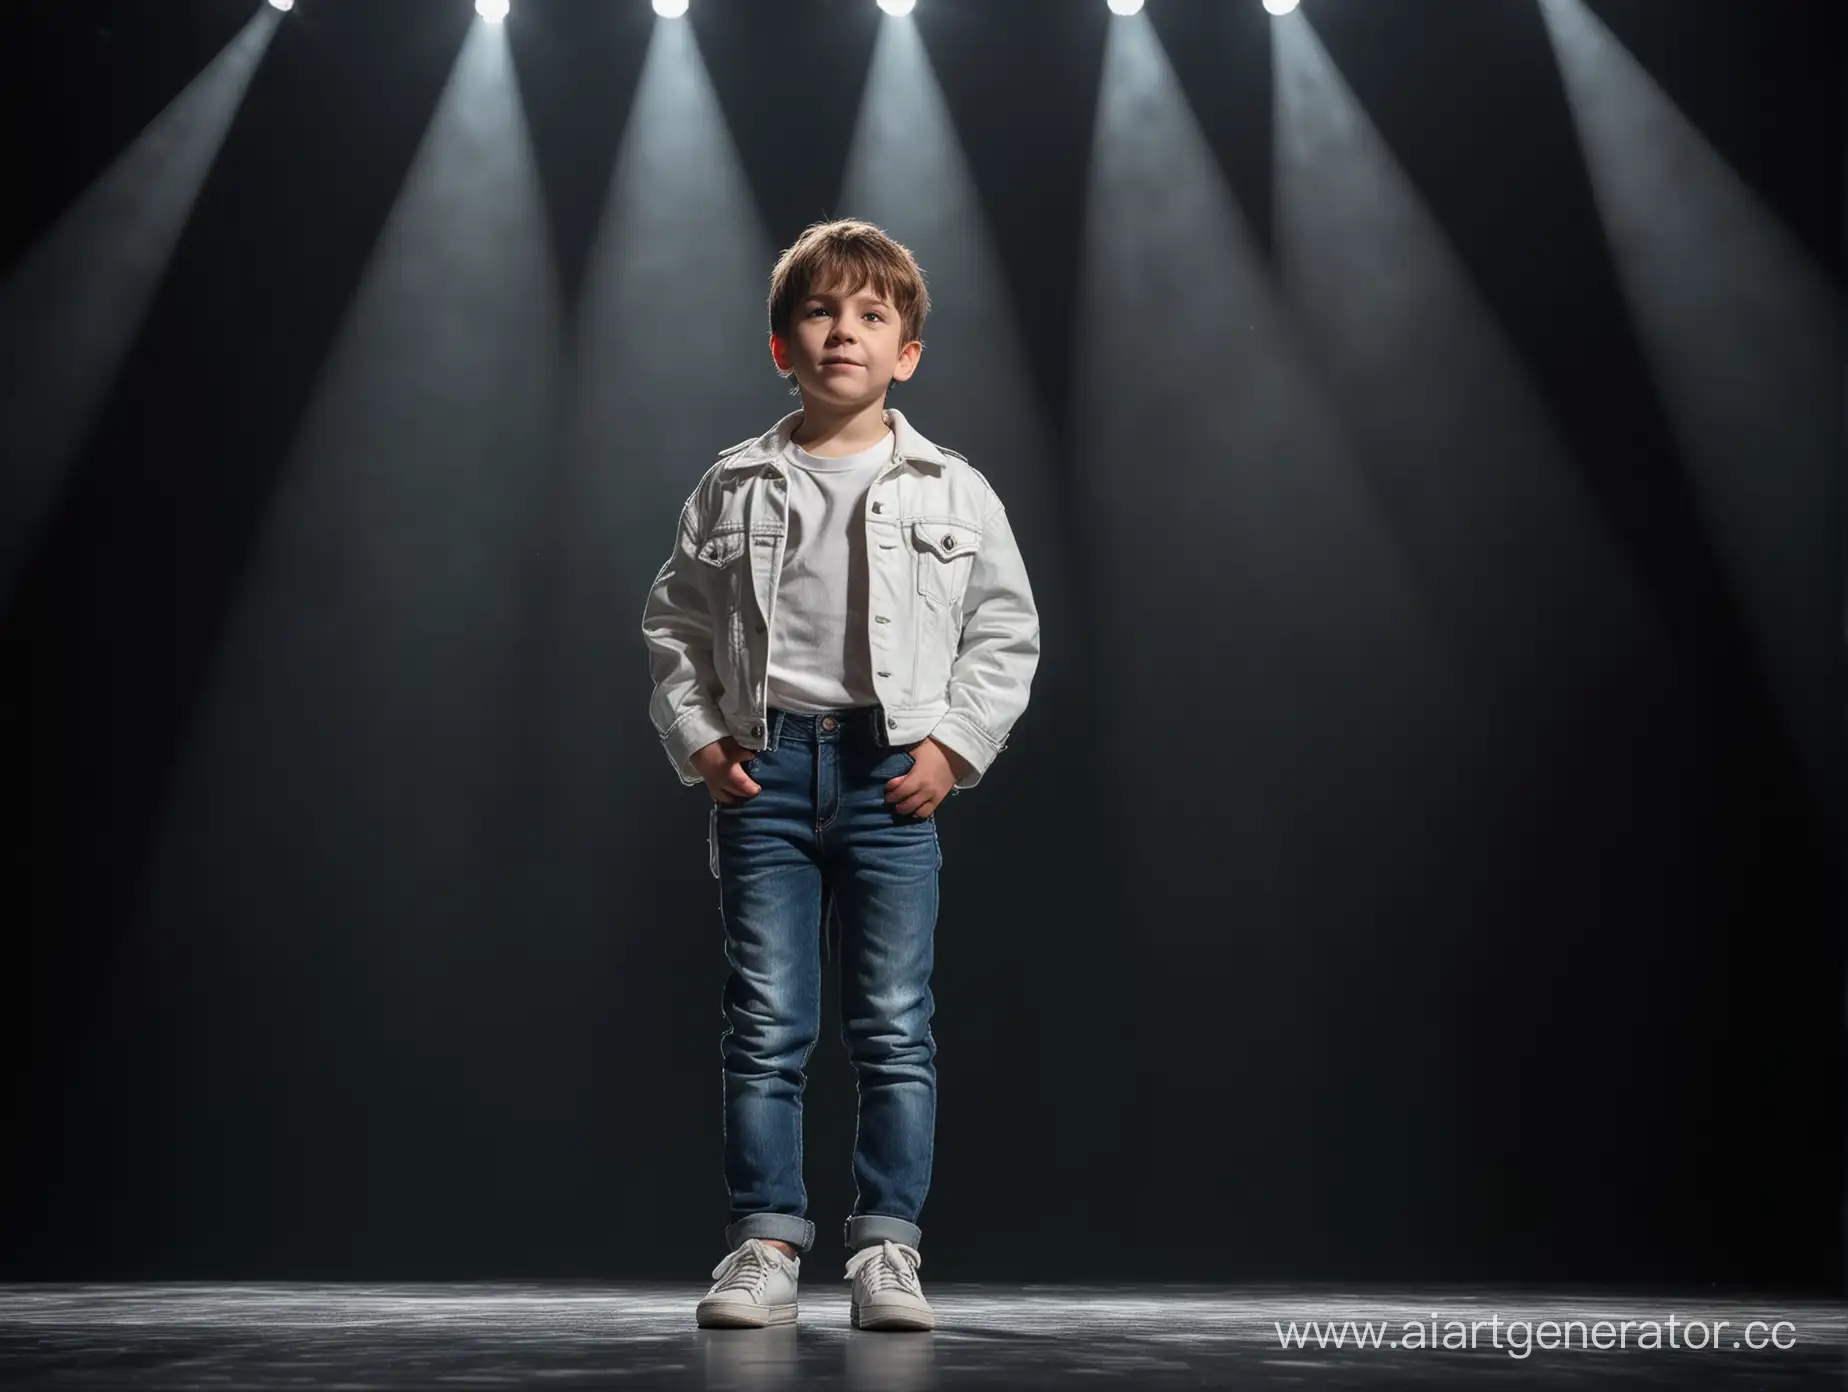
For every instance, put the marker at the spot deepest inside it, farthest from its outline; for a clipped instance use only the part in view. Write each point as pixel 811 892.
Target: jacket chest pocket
pixel 944 548
pixel 720 553
pixel 721 557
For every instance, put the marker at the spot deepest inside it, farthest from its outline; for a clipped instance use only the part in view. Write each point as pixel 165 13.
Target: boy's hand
pixel 721 765
pixel 917 793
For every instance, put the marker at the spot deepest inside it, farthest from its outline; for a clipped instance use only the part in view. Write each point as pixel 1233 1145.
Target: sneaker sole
pixel 735 1315
pixel 891 1318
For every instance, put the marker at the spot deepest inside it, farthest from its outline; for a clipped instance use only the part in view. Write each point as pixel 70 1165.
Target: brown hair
pixel 849 253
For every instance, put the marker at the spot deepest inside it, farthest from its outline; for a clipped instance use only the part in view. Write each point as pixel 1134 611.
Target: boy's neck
pixel 832 436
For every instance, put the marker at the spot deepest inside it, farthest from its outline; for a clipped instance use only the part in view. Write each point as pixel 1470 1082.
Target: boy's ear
pixel 780 351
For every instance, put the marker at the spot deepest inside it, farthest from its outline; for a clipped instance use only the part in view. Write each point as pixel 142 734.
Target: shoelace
pixel 894 1267
pixel 746 1268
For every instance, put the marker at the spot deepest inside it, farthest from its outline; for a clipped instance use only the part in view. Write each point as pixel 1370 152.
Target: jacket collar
pixel 768 446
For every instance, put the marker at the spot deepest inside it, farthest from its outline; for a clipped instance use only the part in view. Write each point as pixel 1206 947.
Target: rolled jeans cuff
pixel 771 1227
pixel 870 1229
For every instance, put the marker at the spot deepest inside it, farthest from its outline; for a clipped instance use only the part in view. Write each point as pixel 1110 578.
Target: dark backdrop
pixel 1420 858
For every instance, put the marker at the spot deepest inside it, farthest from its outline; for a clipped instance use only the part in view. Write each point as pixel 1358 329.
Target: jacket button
pixel 760 625
pixel 885 674
pixel 757 729
pixel 877 508
pixel 949 542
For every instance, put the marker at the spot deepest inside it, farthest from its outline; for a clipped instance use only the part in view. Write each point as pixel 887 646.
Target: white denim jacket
pixel 953 628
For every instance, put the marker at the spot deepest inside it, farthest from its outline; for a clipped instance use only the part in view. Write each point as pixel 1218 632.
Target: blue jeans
pixel 820 845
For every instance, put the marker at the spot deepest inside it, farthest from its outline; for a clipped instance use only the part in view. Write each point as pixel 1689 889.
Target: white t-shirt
pixel 820 654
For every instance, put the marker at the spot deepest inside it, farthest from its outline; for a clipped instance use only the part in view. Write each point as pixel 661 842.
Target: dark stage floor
pixel 992 1336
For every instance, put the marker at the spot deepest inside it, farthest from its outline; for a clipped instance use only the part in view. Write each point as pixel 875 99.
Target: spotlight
pixel 897 7
pixel 284 5
pixel 670 9
pixel 494 11
pixel 1280 7
pixel 1126 7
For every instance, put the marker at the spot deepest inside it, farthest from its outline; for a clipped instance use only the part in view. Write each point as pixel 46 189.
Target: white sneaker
pixel 755 1286
pixel 886 1293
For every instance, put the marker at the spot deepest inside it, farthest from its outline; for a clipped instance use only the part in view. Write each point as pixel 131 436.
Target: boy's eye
pixel 821 309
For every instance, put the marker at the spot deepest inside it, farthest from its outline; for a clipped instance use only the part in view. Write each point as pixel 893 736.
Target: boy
pixel 842 636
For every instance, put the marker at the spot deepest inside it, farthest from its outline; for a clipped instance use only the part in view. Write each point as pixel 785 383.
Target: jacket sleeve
pixel 996 655
pixel 677 626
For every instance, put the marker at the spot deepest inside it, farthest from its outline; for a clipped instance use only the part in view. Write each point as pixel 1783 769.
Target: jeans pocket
pixel 897 763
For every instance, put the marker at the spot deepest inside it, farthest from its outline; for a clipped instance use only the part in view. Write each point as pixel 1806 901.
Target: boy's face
pixel 856 330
